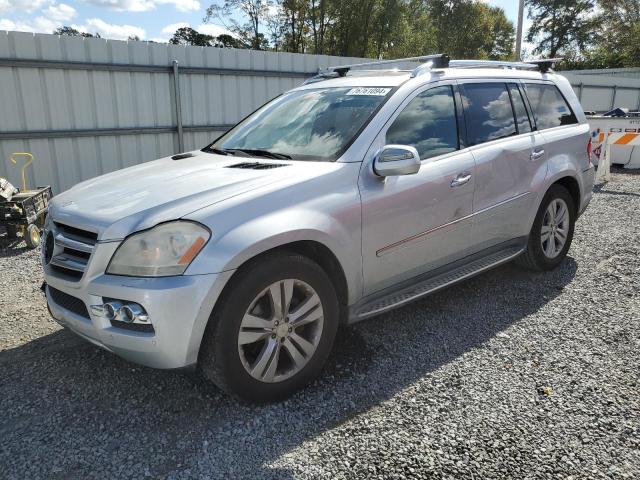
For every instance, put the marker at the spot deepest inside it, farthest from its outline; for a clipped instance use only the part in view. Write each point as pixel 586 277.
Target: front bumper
pixel 178 307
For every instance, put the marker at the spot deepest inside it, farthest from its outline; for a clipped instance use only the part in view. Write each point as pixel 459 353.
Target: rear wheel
pixel 552 230
pixel 273 329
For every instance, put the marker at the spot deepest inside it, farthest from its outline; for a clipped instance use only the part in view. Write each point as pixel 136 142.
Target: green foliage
pixel 72 32
pixel 372 28
pixel 585 36
pixel 562 26
pixel 189 36
pixel 254 12
pixel 620 41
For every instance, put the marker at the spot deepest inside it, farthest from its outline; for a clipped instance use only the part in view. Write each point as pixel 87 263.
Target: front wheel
pixel 273 329
pixel 32 236
pixel 552 230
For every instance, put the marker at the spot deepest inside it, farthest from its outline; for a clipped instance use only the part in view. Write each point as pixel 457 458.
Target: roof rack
pixel 440 60
pixel 545 64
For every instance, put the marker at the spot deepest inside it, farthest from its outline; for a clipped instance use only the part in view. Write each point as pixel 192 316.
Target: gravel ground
pixel 509 375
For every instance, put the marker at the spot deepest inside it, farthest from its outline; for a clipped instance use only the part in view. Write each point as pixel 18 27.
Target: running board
pixel 431 284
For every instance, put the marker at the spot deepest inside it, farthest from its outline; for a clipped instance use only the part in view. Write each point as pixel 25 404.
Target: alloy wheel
pixel 555 228
pixel 280 330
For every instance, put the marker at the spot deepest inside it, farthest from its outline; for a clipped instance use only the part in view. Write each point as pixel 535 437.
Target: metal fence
pixel 87 106
pixel 601 92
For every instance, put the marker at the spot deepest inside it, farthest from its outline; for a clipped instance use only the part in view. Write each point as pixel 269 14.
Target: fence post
pixel 613 97
pixel 581 86
pixel 176 90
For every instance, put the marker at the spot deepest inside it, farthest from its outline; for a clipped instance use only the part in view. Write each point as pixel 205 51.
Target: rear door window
pixel 550 109
pixel 428 123
pixel 524 125
pixel 488 112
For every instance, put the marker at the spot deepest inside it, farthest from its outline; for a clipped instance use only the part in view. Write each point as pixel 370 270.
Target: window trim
pixel 483 81
pixel 513 108
pixel 382 134
pixel 549 83
pixel 527 104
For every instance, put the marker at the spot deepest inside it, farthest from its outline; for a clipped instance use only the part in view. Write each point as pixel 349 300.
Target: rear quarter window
pixel 550 109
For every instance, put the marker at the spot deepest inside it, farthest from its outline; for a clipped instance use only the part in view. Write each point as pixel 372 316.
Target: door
pixel 509 157
pixel 415 223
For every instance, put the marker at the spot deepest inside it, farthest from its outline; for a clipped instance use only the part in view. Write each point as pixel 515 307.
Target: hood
pixel 139 197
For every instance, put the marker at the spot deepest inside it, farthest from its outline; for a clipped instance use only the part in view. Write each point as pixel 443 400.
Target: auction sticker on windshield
pixel 376 91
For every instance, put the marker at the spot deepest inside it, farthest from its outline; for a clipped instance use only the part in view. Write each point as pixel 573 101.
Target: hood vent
pixel 257 165
pixel 180 156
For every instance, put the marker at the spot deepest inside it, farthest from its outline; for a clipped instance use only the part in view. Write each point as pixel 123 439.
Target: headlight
pixel 164 250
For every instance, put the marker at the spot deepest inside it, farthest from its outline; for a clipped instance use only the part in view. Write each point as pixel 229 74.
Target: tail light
pixel 590 151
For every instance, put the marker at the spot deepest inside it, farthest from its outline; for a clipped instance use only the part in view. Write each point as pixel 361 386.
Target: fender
pixel 246 229
pixel 566 171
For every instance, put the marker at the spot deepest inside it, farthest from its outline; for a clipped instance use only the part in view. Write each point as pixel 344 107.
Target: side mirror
pixel 396 160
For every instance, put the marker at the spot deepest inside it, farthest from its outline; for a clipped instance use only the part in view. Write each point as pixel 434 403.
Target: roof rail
pixel 543 65
pixel 440 60
pixel 490 64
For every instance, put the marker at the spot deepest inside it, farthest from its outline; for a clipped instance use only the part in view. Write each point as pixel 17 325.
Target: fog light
pixel 111 309
pixel 132 312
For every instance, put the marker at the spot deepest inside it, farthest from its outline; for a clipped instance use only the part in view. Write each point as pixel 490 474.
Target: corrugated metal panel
pixel 631 72
pixel 59 98
pixel 601 92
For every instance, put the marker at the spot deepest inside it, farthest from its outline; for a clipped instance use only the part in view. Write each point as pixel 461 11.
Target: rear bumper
pixel 178 307
pixel 588 177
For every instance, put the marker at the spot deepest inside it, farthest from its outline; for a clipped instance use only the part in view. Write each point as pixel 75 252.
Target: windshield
pixel 314 124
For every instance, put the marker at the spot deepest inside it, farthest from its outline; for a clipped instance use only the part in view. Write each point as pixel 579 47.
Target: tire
pixel 32 236
pixel 539 254
pixel 12 231
pixel 230 358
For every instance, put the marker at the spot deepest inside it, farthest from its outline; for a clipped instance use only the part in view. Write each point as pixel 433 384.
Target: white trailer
pixel 601 126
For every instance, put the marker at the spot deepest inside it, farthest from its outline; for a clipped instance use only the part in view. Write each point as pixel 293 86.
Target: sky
pixel 119 19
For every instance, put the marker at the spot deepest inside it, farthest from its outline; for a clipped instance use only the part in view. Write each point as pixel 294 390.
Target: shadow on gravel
pixel 601 189
pixel 71 410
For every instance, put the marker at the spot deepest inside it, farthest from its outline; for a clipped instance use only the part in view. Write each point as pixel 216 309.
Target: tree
pixel 227 41
pixel 133 38
pixel 72 32
pixel 562 26
pixel 469 29
pixel 619 45
pixel 189 36
pixel 370 28
pixel 253 11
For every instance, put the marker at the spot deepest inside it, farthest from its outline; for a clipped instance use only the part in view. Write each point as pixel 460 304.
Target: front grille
pixel 69 302
pixel 77 234
pixel 73 248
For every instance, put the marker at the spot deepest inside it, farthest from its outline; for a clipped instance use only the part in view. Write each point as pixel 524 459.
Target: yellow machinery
pixel 26 210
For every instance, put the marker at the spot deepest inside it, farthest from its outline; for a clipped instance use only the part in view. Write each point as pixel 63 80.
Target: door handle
pixel 537 154
pixel 461 179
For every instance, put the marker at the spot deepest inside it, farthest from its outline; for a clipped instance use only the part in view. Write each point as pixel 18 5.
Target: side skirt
pixel 431 282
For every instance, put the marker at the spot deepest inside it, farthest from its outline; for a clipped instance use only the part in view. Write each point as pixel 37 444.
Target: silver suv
pixel 346 197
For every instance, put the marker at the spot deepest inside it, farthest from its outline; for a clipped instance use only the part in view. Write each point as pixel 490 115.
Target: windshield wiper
pixel 218 151
pixel 260 153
